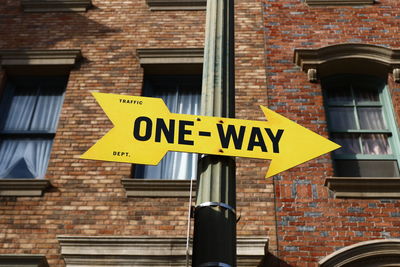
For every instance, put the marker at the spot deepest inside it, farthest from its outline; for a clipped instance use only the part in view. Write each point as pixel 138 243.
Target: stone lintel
pixel 23 187
pixel 364 187
pixel 348 58
pixel 145 251
pixel 39 57
pixel 170 56
pixel 338 2
pixel 159 5
pixel 55 5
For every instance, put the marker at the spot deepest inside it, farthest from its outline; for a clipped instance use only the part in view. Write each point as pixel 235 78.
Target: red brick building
pixel 329 65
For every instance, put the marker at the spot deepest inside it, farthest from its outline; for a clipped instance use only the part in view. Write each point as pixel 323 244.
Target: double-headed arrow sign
pixel 144 130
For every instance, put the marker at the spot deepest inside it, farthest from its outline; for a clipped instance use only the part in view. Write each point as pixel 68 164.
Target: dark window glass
pixel 361 121
pixel 29 111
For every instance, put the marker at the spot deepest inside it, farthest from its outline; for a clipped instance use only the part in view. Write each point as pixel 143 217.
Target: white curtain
pixel 23 156
pixel 47 110
pixel 375 144
pixel 20 111
pixel 181 95
pixel 371 118
pixel 29 109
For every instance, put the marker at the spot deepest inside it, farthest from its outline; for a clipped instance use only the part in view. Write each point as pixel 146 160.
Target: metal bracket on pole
pixel 214 264
pixel 216 204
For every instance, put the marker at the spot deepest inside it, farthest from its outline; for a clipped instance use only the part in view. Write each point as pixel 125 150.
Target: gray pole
pixel 214 241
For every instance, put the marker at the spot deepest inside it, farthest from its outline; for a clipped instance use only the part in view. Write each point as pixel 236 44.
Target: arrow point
pixel 297 145
pixel 281 163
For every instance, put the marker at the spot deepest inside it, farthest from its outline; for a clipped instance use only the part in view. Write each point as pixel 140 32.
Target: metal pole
pixel 214 241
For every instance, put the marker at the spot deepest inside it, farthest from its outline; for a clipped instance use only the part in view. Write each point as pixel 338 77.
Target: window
pixel 18 260
pixel 371 253
pixel 181 93
pixel 360 119
pixel 29 110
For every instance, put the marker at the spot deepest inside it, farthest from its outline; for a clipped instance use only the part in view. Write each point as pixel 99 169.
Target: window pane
pixel 24 158
pixel 48 107
pixel 349 142
pixel 18 112
pixel 371 118
pixel 181 94
pixel 366 93
pixel 375 144
pixel 363 125
pixel 29 104
pixel 339 95
pixel 366 168
pixel 342 118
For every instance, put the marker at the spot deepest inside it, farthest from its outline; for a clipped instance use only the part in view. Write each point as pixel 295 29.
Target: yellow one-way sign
pixel 144 130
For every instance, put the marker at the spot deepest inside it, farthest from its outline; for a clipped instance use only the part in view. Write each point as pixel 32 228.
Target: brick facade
pixel 295 210
pixel 86 197
pixel 311 223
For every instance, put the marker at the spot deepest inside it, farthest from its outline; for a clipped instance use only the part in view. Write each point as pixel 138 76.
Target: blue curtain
pixel 28 119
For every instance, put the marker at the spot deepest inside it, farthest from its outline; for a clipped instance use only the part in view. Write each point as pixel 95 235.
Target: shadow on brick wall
pixel 49 30
pixel 271 260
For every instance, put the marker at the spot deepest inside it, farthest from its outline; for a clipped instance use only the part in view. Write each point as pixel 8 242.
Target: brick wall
pixel 86 197
pixel 310 222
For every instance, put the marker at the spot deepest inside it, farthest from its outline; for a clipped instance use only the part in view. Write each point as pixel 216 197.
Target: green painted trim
pixel 385 102
pixel 361 131
pixel 365 157
pixel 388 112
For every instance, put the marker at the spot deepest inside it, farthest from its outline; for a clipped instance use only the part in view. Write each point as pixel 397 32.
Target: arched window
pixel 360 115
pixel 360 119
pixel 374 253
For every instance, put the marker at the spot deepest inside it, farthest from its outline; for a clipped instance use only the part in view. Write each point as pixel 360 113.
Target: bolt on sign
pixel 145 130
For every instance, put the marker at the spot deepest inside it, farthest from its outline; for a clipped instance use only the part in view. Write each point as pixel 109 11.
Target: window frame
pixel 23 61
pixel 165 61
pixel 378 252
pixel 354 58
pixel 177 80
pixel 387 114
pixel 38 81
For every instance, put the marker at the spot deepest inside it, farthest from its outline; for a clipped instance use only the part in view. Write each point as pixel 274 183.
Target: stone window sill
pixel 157 188
pixel 146 251
pixel 338 2
pixel 37 58
pixel 364 187
pixel 18 260
pixel 23 187
pixel 170 56
pixel 56 5
pixel 177 4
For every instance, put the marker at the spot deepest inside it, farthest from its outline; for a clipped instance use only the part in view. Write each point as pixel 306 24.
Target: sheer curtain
pixel 182 95
pixel 27 112
pixel 365 113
